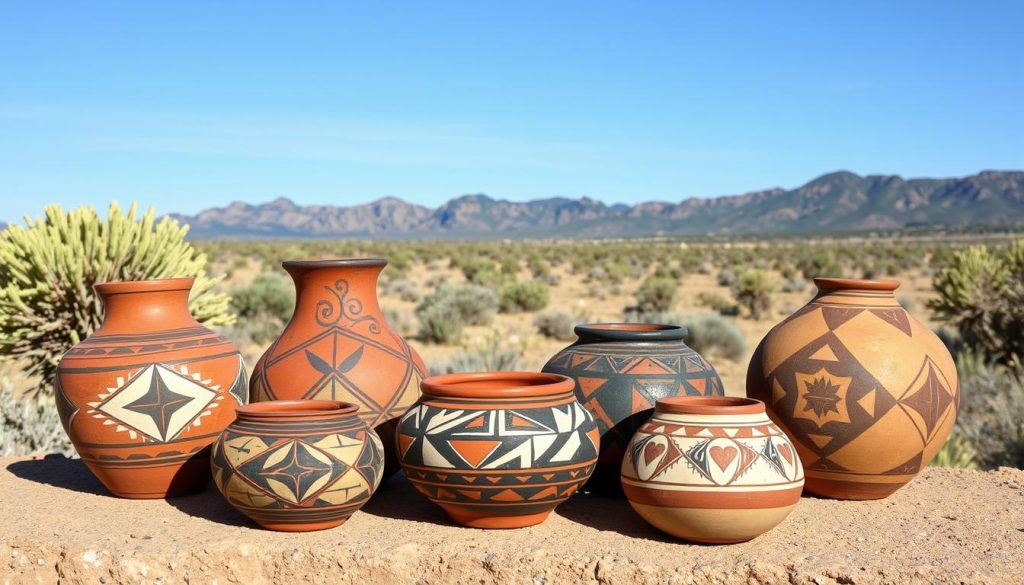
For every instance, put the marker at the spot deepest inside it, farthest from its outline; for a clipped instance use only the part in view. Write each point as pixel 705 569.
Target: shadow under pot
pixel 620 371
pixel 500 449
pixel 145 395
pixel 298 465
pixel 338 346
pixel 712 469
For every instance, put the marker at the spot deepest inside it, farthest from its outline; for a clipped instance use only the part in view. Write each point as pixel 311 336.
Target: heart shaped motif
pixel 723 456
pixel 786 452
pixel 652 451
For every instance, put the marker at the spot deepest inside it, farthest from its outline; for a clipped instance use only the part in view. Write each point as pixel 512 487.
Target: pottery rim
pixel 631 331
pixel 309 263
pixel 830 284
pixel 709 405
pixel 295 409
pixel 140 286
pixel 497 385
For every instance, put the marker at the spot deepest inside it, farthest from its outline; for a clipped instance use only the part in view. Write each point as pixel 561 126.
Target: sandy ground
pixel 949 526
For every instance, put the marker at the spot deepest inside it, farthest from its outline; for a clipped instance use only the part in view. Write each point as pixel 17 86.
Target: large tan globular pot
pixel 868 393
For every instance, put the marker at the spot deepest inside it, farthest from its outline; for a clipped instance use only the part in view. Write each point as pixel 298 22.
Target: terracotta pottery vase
pixel 867 392
pixel 298 465
pixel 712 469
pixel 498 450
pixel 620 371
pixel 147 393
pixel 337 346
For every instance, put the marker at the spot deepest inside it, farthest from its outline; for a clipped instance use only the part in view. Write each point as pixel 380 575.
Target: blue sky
pixel 189 105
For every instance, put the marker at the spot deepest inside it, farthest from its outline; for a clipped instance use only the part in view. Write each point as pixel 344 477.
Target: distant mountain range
pixel 840 201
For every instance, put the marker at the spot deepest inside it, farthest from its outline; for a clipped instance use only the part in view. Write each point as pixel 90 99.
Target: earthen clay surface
pixel 58 524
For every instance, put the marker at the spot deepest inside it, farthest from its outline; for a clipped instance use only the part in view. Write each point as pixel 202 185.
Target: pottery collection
pixel 620 371
pixel 337 346
pixel 868 394
pixel 850 397
pixel 712 469
pixel 298 465
pixel 498 449
pixel 145 395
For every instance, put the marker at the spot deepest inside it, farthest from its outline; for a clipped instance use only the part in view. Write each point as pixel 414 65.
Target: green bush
pixel 441 323
pixel 558 325
pixel 528 295
pixel 820 263
pixel 755 291
pixel 30 426
pixel 981 293
pixel 718 303
pixel 445 312
pixel 48 268
pixel 956 452
pixel 656 294
pixel 403 289
pixel 269 294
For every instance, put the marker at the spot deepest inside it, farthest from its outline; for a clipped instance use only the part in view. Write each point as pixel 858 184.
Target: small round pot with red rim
pixel 712 469
pixel 298 465
pixel 497 449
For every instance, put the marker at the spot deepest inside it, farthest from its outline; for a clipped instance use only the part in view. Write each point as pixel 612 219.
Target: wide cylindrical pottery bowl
pixel 712 469
pixel 298 465
pixel 867 392
pixel 620 371
pixel 497 450
pixel 337 346
pixel 145 395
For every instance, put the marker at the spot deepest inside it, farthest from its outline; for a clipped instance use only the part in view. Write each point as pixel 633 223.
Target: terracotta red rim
pixel 292 409
pixel 709 405
pixel 631 331
pixel 335 263
pixel 138 286
pixel 497 385
pixel 855 284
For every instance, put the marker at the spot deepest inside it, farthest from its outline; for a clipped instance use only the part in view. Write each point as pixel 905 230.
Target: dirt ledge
pixel 57 525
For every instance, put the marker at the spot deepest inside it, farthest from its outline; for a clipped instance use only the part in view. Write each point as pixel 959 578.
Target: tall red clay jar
pixel 145 396
pixel 868 394
pixel 337 346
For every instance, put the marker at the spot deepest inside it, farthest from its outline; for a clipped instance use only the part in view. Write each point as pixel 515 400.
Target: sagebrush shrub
pixel 527 295
pixel 445 312
pixel 556 324
pixel 656 294
pixel 48 268
pixel 991 416
pixel 755 291
pixel 30 426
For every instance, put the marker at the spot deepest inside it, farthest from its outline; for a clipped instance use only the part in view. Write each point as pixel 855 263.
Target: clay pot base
pixel 287 522
pixel 851 490
pixel 713 526
pixel 493 521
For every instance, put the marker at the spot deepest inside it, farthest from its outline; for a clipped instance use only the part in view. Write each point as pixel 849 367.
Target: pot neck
pixel 335 289
pixel 849 291
pixel 629 332
pixel 145 306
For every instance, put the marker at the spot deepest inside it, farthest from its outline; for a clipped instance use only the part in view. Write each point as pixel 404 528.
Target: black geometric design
pixel 822 397
pixel 159 403
pixel 297 471
pixel 846 366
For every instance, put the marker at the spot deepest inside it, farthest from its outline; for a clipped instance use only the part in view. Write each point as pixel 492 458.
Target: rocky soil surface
pixel 58 525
